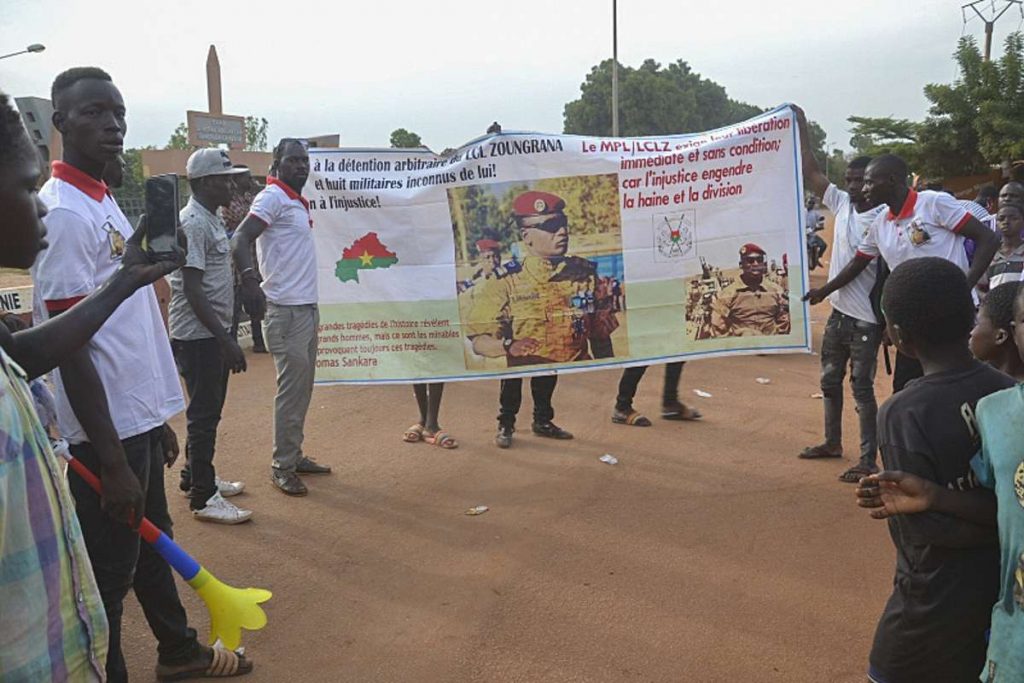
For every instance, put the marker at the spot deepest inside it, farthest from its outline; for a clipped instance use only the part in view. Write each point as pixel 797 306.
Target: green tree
pixel 255 134
pixel 402 138
pixel 836 167
pixel 134 180
pixel 657 100
pixel 972 123
pixel 874 136
pixel 179 138
pixel 996 89
pixel 653 100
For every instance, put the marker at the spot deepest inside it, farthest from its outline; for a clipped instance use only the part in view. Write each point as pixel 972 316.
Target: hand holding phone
pixel 162 215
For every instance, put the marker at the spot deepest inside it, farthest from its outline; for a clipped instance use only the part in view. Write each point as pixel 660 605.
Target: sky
pixel 446 69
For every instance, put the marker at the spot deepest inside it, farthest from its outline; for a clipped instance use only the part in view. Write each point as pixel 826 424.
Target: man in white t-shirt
pixel 114 396
pixel 852 333
pixel 279 222
pixel 917 224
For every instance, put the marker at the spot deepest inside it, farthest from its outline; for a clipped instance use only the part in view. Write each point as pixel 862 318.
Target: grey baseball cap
pixel 207 162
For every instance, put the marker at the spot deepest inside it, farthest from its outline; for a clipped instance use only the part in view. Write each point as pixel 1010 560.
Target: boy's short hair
pixel 929 299
pixel 1019 208
pixel 14 140
pixel 998 305
pixel 859 163
pixel 66 79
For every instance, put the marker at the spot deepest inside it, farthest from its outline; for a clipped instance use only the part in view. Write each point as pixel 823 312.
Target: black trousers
pixel 202 365
pixel 122 561
pixel 511 398
pixel 906 369
pixel 631 380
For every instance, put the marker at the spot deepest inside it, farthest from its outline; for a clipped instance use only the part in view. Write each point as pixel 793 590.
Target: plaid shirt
pixel 52 623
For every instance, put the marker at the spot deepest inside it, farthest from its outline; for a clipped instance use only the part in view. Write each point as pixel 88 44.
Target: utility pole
pixel 989 23
pixel 615 69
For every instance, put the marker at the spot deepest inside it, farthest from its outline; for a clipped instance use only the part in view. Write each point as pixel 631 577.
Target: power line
pixel 995 12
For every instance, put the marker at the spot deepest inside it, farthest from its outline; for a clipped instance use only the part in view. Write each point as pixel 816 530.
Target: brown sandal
pixel 223 664
pixel 633 418
pixel 680 411
pixel 413 434
pixel 441 439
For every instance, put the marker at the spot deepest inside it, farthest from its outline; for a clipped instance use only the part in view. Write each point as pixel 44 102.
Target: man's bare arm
pixel 253 301
pixel 987 243
pixel 814 180
pixel 847 275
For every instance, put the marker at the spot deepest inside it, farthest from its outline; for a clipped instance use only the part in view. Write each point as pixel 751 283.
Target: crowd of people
pixel 901 274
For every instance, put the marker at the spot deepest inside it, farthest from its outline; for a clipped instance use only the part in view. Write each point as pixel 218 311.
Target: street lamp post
pixel 615 69
pixel 34 47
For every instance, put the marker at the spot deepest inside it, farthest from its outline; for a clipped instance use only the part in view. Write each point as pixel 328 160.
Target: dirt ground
pixel 709 553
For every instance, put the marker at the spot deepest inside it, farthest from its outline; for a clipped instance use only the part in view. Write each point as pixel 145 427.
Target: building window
pixel 37 135
pixel 30 116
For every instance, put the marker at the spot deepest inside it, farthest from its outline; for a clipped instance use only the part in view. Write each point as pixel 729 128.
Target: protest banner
pixel 528 253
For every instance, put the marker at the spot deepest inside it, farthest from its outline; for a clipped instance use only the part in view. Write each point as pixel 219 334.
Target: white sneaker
pixel 224 488
pixel 222 512
pixel 229 488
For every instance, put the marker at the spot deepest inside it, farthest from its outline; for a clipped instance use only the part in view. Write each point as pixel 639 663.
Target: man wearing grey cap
pixel 201 312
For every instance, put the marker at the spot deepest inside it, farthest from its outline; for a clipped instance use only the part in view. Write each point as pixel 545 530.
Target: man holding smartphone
pixel 202 308
pixel 115 395
pixel 279 218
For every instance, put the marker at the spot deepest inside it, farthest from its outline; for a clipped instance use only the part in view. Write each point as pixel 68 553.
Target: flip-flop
pixel 223 664
pixel 413 434
pixel 441 439
pixel 680 411
pixel 818 453
pixel 856 473
pixel 633 418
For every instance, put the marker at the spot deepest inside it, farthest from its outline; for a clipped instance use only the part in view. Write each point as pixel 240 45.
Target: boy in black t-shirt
pixel 947 569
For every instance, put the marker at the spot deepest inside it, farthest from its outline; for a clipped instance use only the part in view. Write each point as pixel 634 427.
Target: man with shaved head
pixel 917 224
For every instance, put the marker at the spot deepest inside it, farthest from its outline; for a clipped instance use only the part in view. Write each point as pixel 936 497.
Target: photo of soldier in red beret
pixel 751 301
pixel 543 304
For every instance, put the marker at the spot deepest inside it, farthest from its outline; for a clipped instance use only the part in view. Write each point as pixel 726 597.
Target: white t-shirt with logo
pixel 285 249
pixel 850 228
pixel 929 224
pixel 131 351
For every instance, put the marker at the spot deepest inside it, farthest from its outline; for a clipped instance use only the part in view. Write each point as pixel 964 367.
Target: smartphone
pixel 162 213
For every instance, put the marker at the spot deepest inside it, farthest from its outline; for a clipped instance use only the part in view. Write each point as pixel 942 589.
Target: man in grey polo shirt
pixel 280 223
pixel 201 311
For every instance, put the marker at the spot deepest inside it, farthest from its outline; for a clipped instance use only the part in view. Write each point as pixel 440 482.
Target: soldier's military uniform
pixel 550 300
pixel 740 310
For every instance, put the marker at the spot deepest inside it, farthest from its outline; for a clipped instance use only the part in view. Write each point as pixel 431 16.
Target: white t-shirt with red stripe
pixel 929 224
pixel 87 231
pixel 285 249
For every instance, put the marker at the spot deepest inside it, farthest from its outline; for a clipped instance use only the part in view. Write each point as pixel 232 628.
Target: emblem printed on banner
pixel 674 235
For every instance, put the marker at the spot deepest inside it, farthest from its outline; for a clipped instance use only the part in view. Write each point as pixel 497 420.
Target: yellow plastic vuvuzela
pixel 231 609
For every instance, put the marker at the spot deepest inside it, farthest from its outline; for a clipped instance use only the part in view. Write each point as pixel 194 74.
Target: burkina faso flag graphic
pixel 366 253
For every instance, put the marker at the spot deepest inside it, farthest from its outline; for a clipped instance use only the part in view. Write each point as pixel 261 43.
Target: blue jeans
pixel 854 343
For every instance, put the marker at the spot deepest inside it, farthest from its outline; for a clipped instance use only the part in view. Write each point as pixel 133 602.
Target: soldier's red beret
pixel 751 248
pixel 534 203
pixel 487 245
